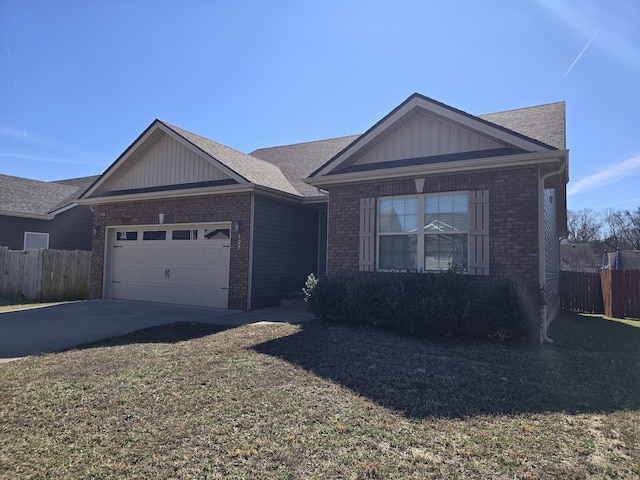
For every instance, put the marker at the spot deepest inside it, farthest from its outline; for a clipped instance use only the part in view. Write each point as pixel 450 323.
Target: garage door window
pixel 216 234
pixel 184 235
pixel 154 235
pixel 126 236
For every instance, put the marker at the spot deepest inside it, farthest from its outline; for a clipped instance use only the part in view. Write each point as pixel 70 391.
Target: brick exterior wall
pixel 201 209
pixel 513 216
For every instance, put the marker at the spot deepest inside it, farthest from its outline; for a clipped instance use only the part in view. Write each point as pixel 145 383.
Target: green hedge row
pixel 425 303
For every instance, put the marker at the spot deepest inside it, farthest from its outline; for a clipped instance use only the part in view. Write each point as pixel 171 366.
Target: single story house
pixel 35 214
pixel 180 218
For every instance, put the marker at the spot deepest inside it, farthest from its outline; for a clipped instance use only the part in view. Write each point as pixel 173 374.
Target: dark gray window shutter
pixel 367 255
pixel 479 232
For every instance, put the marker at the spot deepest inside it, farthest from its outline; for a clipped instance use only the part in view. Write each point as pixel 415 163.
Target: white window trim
pixel 36 234
pixel 420 227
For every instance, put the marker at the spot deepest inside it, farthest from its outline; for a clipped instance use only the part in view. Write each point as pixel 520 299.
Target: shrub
pixel 425 303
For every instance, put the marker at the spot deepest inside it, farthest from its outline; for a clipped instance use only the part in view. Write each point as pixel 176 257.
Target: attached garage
pixel 181 264
pixel 178 218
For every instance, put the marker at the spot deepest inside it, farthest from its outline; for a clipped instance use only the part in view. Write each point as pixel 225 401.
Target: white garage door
pixel 179 264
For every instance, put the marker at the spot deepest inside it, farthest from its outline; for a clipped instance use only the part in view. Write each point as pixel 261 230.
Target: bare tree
pixel 623 229
pixel 615 222
pixel 633 228
pixel 584 225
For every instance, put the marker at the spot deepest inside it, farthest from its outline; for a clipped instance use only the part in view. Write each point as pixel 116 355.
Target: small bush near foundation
pixel 430 303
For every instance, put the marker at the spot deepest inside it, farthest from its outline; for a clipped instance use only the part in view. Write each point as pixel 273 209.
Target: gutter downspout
pixel 541 244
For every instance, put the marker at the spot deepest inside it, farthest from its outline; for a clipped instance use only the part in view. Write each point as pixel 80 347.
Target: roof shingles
pixel 33 197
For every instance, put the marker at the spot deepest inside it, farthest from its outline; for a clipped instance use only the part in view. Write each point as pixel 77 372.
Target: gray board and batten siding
pixel 285 240
pixel 69 230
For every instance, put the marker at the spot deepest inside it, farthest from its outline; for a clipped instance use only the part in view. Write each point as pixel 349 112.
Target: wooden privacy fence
pixel 44 275
pixel 621 293
pixel 581 292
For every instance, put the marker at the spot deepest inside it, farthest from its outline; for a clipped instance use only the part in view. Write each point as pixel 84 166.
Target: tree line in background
pixel 608 229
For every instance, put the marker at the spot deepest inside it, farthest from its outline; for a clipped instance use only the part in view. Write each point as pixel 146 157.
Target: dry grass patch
pixel 320 401
pixel 12 304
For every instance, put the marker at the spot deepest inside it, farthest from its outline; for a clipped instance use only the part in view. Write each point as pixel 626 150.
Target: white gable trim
pixel 34 216
pixel 438 110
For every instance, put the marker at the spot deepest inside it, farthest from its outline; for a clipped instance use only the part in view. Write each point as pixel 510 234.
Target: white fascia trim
pixel 315 200
pixel 33 216
pixel 194 192
pixel 63 209
pixel 517 160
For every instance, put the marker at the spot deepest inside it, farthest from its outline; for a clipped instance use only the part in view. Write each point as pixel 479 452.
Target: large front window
pixel 443 220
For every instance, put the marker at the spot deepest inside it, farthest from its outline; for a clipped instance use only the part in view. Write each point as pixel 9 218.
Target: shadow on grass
pixel 594 366
pixel 170 333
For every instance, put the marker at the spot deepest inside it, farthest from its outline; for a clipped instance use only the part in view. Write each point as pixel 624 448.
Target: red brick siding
pixel 210 208
pixel 513 216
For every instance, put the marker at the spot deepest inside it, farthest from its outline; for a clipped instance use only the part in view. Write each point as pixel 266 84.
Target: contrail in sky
pixel 581 53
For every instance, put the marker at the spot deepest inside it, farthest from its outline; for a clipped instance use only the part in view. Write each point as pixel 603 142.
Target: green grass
pixel 325 401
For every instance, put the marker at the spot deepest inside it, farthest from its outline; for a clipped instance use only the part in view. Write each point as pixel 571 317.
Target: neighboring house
pixel 180 218
pixel 578 257
pixel 35 214
pixel 621 260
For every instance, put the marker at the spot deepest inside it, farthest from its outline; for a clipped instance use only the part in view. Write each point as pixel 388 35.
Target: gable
pixel 168 162
pixel 423 131
pixel 426 135
pixel 168 159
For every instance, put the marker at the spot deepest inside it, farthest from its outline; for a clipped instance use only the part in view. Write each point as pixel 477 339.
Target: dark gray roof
pixel 298 161
pixel 252 169
pixel 629 260
pixel 578 257
pixel 545 123
pixel 80 182
pixel 32 197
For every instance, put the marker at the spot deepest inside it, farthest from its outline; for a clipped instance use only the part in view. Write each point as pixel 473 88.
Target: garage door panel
pixel 191 272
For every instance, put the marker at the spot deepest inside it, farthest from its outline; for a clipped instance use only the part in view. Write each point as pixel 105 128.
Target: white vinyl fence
pixel 44 275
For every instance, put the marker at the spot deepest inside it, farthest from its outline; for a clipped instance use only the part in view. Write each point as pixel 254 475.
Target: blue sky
pixel 79 81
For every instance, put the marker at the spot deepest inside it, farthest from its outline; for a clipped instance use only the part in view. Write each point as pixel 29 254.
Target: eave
pixel 195 192
pixel 518 160
pixel 32 216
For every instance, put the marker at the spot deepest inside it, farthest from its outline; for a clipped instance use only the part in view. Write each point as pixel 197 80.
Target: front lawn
pixel 325 401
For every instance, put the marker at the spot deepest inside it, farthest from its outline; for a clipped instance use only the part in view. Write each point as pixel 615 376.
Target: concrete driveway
pixel 56 327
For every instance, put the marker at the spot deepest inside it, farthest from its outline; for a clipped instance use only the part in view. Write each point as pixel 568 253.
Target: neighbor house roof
pixel 298 161
pixel 23 197
pixel 578 257
pixel 629 260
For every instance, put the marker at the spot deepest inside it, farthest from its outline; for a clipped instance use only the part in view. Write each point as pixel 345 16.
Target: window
pixel 131 236
pixel 35 240
pixel 446 227
pixel 184 235
pixel 216 233
pixel 154 235
pixel 444 223
pixel 398 230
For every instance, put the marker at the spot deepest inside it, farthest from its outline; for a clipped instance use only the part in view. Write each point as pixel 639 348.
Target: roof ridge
pixel 523 108
pixel 306 143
